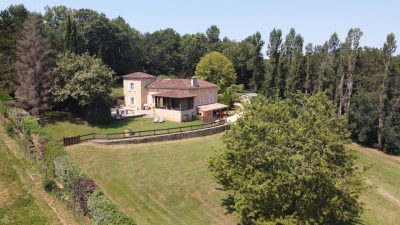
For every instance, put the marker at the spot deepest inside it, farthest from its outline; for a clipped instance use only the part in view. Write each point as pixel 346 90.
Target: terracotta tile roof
pixel 138 75
pixel 210 107
pixel 179 83
pixel 175 94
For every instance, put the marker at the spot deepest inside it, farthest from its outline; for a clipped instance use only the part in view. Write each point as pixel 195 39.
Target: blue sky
pixel 314 20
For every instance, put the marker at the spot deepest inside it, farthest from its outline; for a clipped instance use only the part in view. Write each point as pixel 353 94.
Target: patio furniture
pixel 161 120
pixel 155 120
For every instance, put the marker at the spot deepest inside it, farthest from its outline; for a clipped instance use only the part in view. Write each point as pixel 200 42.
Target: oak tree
pixel 285 161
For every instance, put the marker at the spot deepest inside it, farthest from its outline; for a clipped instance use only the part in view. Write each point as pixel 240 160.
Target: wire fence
pixel 134 134
pixel 71 204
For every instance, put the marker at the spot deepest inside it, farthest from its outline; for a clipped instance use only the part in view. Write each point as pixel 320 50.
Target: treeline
pixel 361 81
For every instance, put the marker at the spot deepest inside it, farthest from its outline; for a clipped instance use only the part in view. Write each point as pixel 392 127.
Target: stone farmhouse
pixel 178 100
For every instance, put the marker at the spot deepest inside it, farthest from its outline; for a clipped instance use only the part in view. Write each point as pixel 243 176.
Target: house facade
pixel 173 99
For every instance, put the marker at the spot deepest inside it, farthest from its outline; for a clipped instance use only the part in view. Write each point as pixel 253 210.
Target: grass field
pixel 169 183
pixel 17 206
pixel 158 183
pixel 60 124
pixel 383 201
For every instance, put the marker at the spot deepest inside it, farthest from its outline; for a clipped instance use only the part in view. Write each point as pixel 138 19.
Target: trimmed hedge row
pixel 103 211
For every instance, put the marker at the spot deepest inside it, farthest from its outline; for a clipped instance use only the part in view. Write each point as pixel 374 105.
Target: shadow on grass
pixel 53 117
pixel 230 201
pixel 58 116
pixel 114 124
pixel 228 204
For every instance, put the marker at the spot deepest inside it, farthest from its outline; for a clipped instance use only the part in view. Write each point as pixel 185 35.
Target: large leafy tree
pixel 33 67
pixel 248 61
pixel 11 24
pixel 285 161
pixel 161 50
pixel 82 79
pixel 192 48
pixel 216 68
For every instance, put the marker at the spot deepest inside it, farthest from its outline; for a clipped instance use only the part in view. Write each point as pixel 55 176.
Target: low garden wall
pixel 166 137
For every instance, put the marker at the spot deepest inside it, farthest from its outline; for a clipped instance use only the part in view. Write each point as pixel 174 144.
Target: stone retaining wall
pixel 166 137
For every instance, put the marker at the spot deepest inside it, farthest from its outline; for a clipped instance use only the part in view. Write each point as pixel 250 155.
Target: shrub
pixel 29 126
pixel 16 114
pixel 66 171
pixel 52 150
pixel 10 128
pixel 49 185
pixel 83 188
pixel 98 114
pixel 103 211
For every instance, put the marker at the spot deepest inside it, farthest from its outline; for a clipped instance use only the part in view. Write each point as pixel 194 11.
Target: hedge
pixel 103 211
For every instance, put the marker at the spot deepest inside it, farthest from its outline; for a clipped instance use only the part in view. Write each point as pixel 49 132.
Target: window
pixel 210 98
pixel 201 100
pixel 133 101
pixel 153 100
pixel 132 86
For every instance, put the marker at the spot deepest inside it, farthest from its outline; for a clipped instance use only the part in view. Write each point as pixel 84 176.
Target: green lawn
pixel 169 183
pixel 118 90
pixel 60 124
pixel 383 201
pixel 160 182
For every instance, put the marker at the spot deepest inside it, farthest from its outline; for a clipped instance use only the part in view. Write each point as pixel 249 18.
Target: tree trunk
pixel 341 96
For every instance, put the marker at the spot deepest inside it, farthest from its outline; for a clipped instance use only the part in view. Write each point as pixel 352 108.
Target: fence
pixel 71 204
pixel 135 134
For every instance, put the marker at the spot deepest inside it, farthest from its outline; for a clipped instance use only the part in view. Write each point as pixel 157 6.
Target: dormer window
pixel 132 86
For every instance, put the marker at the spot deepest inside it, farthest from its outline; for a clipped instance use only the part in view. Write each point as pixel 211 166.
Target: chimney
pixel 193 82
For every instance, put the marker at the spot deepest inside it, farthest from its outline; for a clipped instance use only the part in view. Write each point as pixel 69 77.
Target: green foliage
pixel 11 24
pixel 161 52
pixel 285 161
pixel 66 171
pixel 29 126
pixel 391 133
pixel 227 98
pixel 162 76
pixel 16 115
pixel 49 185
pixel 103 211
pixel 98 114
pixel 10 126
pixel 83 78
pixel 363 117
pixel 52 150
pixel 216 68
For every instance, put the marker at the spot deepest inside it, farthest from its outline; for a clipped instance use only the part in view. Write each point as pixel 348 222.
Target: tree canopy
pixel 216 68
pixel 83 78
pixel 285 161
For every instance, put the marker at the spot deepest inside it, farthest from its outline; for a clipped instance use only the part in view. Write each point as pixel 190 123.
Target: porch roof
pixel 175 94
pixel 211 107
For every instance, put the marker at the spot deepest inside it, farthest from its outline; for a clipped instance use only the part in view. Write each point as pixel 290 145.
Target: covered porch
pixel 212 112
pixel 175 105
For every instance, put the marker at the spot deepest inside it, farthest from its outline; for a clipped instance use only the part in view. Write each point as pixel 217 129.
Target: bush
pixel 10 128
pixel 52 150
pixel 98 114
pixel 49 185
pixel 66 171
pixel 83 188
pixel 16 115
pixel 29 126
pixel 103 211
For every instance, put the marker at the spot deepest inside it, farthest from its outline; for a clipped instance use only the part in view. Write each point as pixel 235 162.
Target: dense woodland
pixel 363 82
